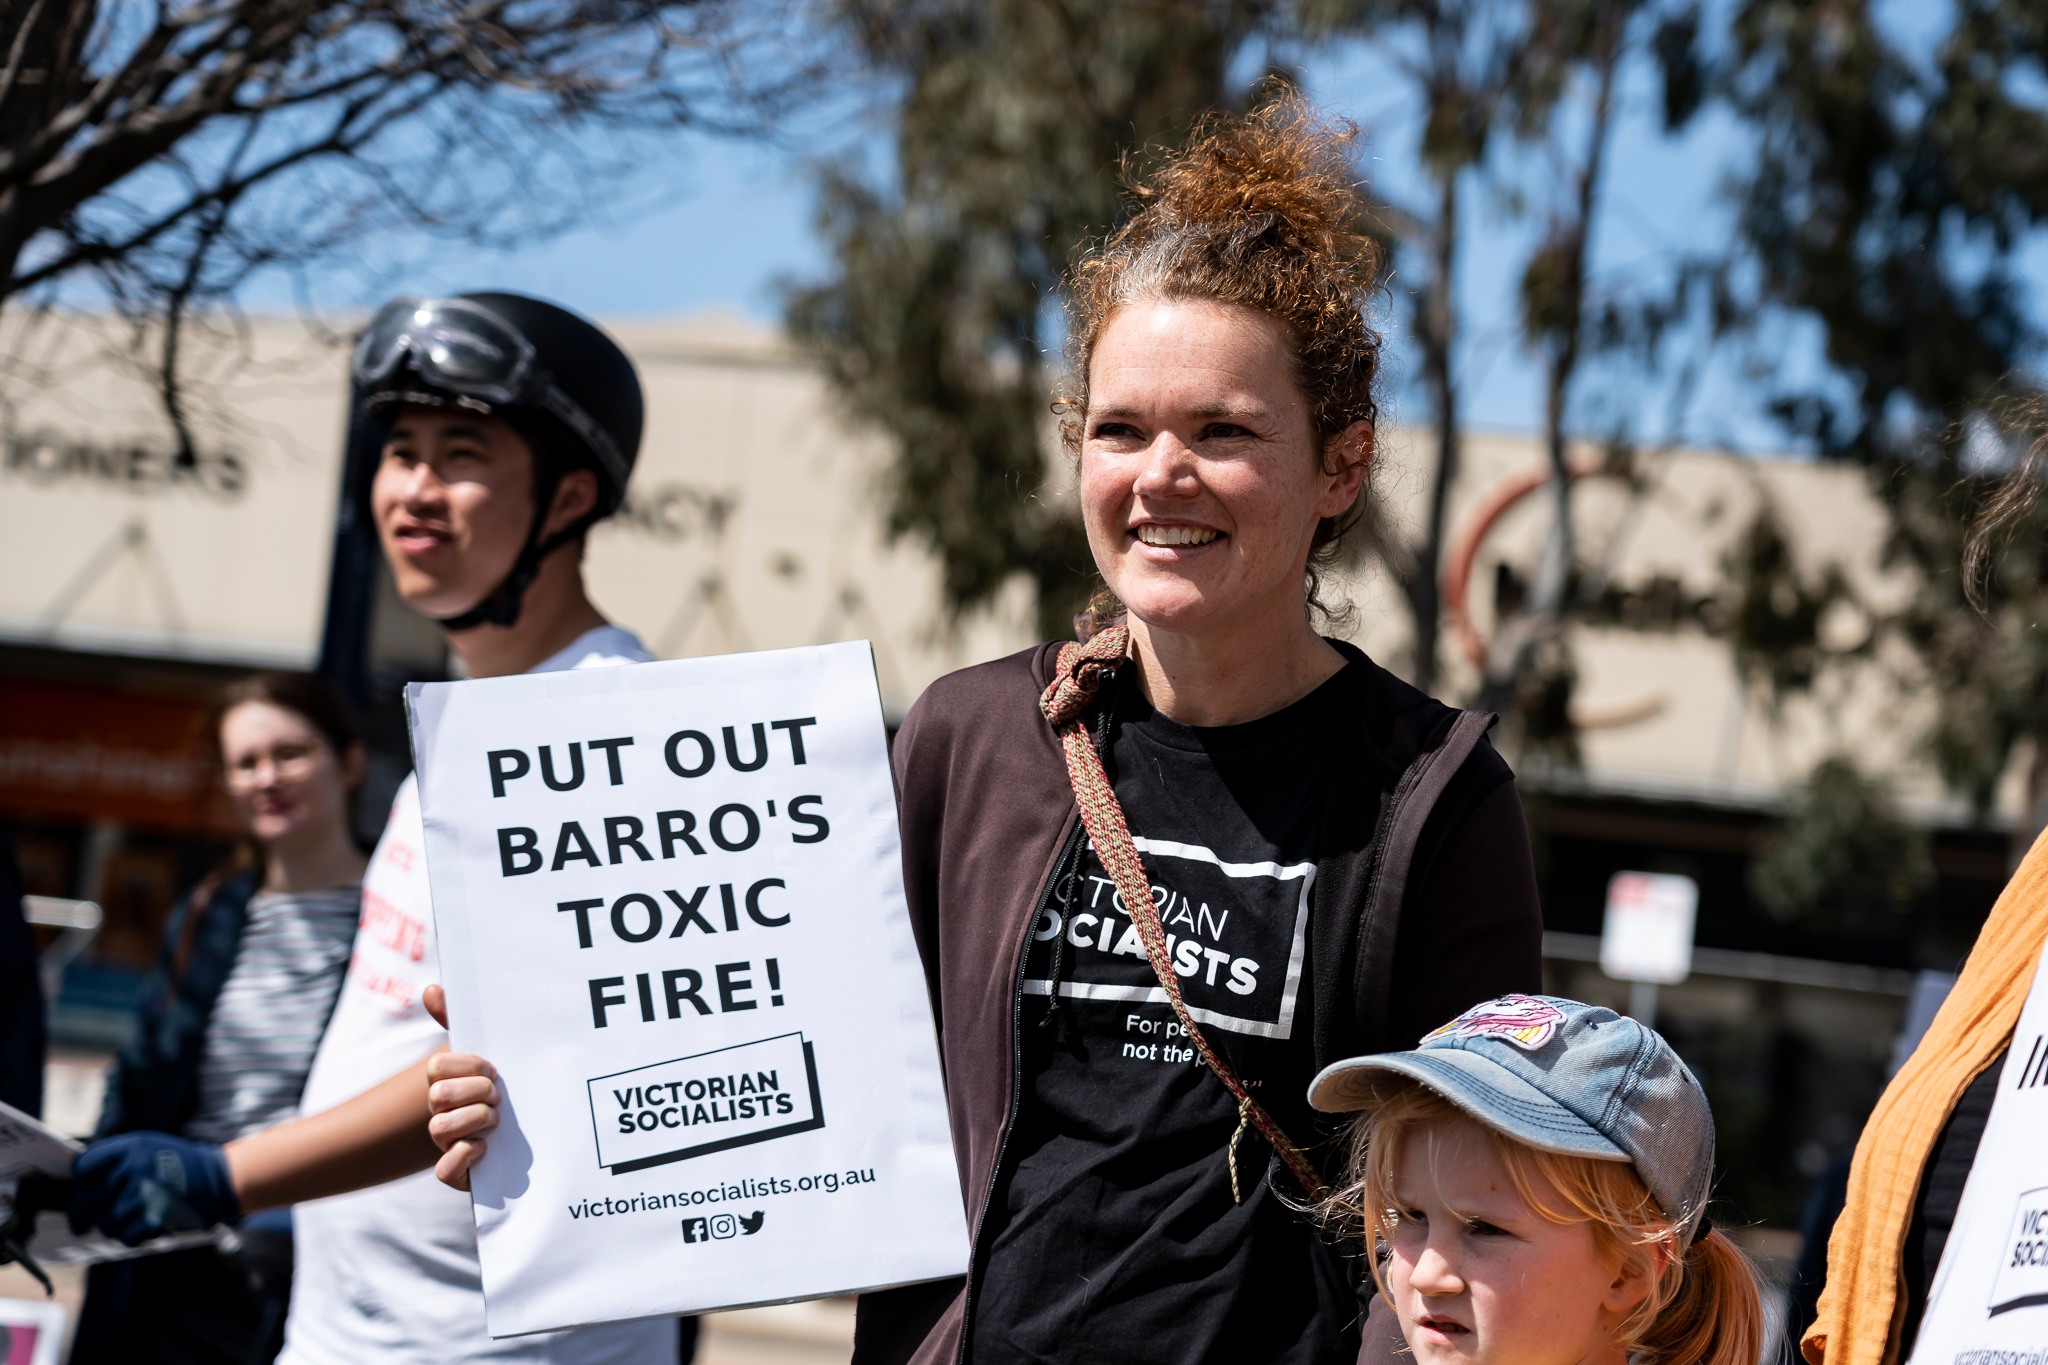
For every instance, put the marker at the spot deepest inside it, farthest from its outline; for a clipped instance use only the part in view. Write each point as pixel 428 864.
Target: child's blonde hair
pixel 1704 1306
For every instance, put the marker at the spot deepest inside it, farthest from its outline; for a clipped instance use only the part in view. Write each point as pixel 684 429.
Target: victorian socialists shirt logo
pixel 1235 931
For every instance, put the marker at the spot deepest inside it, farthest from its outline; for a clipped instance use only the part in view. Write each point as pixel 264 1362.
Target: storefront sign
pixel 671 911
pixel 1989 1303
pixel 92 753
pixel 672 512
pixel 137 466
pixel 118 538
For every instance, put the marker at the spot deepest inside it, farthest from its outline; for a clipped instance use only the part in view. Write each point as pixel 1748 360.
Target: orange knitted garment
pixel 1861 1307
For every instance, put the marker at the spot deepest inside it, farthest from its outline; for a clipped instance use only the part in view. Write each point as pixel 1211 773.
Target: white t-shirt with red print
pixel 390 1274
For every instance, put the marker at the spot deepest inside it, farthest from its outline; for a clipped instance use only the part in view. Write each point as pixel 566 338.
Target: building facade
pixel 134 582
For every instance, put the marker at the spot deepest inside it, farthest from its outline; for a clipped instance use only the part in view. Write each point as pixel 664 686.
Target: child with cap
pixel 1534 1177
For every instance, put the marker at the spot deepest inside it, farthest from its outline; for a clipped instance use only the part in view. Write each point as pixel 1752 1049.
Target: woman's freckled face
pixel 1202 478
pixel 1479 1277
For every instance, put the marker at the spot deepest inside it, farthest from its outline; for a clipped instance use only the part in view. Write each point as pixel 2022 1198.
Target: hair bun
pixel 1282 162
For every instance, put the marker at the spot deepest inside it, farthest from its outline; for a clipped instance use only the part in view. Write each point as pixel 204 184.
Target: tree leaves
pixel 1885 200
pixel 1890 197
pixel 1774 611
pixel 159 156
pixel 1843 862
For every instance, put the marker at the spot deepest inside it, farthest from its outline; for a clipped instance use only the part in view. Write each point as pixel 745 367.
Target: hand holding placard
pixel 462 1100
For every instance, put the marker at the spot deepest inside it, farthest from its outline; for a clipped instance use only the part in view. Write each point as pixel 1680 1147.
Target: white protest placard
pixel 1989 1300
pixel 670 905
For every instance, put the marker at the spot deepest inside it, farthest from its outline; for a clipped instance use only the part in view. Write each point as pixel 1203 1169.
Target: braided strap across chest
pixel 1077 679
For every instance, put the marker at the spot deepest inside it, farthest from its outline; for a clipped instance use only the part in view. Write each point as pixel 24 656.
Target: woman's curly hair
pixel 1263 211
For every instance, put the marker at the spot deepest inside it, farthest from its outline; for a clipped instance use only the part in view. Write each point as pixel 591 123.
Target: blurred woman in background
pixel 228 1021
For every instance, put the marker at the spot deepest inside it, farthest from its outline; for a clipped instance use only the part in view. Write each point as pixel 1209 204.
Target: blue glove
pixel 143 1185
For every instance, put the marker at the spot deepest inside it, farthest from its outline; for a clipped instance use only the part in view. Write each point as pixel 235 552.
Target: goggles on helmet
pixel 465 349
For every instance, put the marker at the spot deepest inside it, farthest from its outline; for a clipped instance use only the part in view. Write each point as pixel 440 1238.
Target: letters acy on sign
pixel 670 904
pixel 1989 1302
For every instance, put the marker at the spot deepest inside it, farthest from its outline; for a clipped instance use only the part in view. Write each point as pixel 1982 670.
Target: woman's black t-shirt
pixel 1113 1235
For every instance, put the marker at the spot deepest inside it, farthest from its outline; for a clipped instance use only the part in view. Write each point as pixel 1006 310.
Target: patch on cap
pixel 1523 1020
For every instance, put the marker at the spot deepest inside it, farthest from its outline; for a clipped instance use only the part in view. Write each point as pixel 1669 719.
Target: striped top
pixel 273 1009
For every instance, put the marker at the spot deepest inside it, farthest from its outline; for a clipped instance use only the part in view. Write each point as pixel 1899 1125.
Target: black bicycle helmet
pixel 558 378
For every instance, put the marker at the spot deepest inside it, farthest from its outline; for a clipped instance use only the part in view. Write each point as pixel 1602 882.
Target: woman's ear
pixel 1347 457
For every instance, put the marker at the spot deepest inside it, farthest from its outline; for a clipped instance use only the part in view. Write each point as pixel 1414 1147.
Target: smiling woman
pixel 1130 1115
pixel 1260 223
pixel 228 1022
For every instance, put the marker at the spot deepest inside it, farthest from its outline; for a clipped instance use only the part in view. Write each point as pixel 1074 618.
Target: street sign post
pixel 1646 939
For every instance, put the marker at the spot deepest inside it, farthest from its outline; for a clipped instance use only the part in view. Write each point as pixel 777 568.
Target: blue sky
pixel 716 224
pixel 713 225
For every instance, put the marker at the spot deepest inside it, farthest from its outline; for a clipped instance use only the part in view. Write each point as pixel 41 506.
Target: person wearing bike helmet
pixel 515 392
pixel 509 427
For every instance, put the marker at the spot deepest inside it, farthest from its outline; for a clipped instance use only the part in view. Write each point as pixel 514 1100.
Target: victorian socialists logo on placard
pixel 708 1102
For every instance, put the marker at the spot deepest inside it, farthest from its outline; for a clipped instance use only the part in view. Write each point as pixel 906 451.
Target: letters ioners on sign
pixel 668 841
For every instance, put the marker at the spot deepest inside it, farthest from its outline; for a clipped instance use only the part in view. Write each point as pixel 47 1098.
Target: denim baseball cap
pixel 1564 1077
